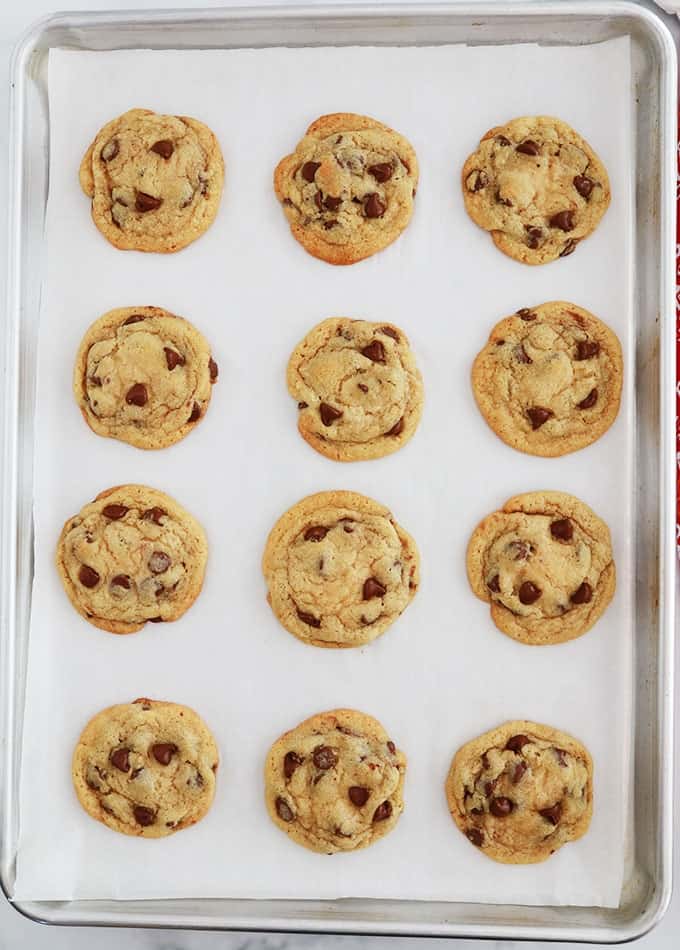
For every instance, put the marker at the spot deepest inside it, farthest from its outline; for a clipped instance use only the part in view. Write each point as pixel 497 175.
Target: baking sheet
pixel 443 673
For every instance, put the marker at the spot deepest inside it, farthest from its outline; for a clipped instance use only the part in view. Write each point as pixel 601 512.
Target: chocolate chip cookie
pixel 146 768
pixel 144 376
pixel 335 782
pixel 358 389
pixel 155 180
pixel 537 186
pixel 549 380
pixel 544 563
pixel 348 188
pixel 339 569
pixel 521 791
pixel 132 556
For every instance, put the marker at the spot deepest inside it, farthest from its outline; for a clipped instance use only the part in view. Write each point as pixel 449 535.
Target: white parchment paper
pixel 443 673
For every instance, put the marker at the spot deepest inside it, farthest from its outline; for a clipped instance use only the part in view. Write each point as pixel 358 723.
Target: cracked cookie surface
pixel 335 782
pixel 131 556
pixel 144 376
pixel 348 189
pixel 521 791
pixel 358 389
pixel 339 569
pixel 544 563
pixel 549 380
pixel 146 768
pixel 155 180
pixel 537 186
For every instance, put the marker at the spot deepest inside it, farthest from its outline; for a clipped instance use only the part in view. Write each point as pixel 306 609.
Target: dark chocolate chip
pixel 358 795
pixel 159 562
pixel 309 619
pixel 283 810
pixel 475 836
pixel 291 761
pixel 163 147
pixel 173 358
pixel 213 369
pixel 382 172
pixel 329 414
pixel 519 550
pixel 526 314
pixel 518 772
pixel 163 752
pixel 521 354
pixel 517 743
pixel 584 185
pixel 303 405
pixel 195 413
pixel 110 150
pixel 528 147
pixel 143 816
pixel 568 248
pixel 561 756
pixel 362 387
pixel 121 580
pixel 331 203
pixel 144 202
pixel 586 349
pixel 583 594
pixel 324 757
pixel 375 351
pixel 308 170
pixel 503 141
pixel 121 759
pixel 538 415
pixel 552 814
pixel 390 331
pixel 156 620
pixel 503 201
pixel 397 428
pixel 87 576
pixel 137 395
pixel 501 806
pixel 154 514
pixel 135 318
pixel 564 220
pixel 391 746
pixel 373 588
pixel 374 207
pixel 316 532
pixel 480 181
pixel 562 529
pixel 529 593
pixel 533 237
pixel 383 811
pixel 589 401
pixel 494 584
pixel 115 512
pixel 318 200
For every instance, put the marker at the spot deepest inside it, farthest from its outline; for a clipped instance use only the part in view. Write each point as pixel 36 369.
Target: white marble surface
pixel 18 933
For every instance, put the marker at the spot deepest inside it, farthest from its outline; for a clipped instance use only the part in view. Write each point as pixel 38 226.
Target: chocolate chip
pixel 489 787
pixel 331 203
pixel 552 814
pixel 317 532
pixel 397 428
pixel 163 147
pixel 529 593
pixel 475 836
pixel 583 594
pixel 494 584
pixel 586 349
pixel 358 795
pixel 391 746
pixel 500 807
pixel 562 529
pixel 382 172
pixel 517 743
pixel 144 202
pixel 114 512
pixel 503 141
pixel 348 526
pixel 526 314
pixel 589 401
pixel 564 220
pixel 373 588
pixel 87 576
pixel 163 752
pixel 95 380
pixel 538 415
pixel 137 395
pixel 156 620
pixel 159 562
pixel 374 207
pixel 475 811
pixel 561 756
pixel 173 358
pixel 383 811
pixel 375 351
pixel 283 809
pixel 121 759
pixel 533 237
pixel 568 248
pixel 214 370
pixel 309 619
pixel 329 414
pixel 303 405
pixel 527 147
pixel 110 150
pixel 154 514
pixel 318 200
pixel 503 201
pixel 518 772
pixel 143 816
pixel 291 761
pixel 121 580
pixel 584 185
pixel 308 170
pixel 195 413
pixel 519 550
pixel 521 354
pixel 389 331
pixel 477 181
pixel 135 318
pixel 324 757
pixel 362 387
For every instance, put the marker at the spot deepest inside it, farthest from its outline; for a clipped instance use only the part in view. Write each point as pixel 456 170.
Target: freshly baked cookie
pixel 544 563
pixel 335 782
pixel 348 188
pixel 537 186
pixel 549 380
pixel 339 569
pixel 130 556
pixel 357 387
pixel 521 791
pixel 155 180
pixel 146 768
pixel 144 376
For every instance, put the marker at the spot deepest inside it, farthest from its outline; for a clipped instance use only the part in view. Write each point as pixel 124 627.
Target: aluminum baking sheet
pixel 403 501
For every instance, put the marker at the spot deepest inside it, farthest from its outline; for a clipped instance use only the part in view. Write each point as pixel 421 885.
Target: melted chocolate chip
pixel 213 369
pixel 135 318
pixel 383 811
pixel 589 401
pixel 521 354
pixel 154 514
pixel 283 810
pixel 586 349
pixel 163 147
pixel 374 207
pixel 144 202
pixel 503 141
pixel 362 387
pixel 137 395
pixel 324 757
pixel 373 588
pixel 480 181
pixel 159 562
pixel 358 795
pixel 121 580
pixel 552 814
pixel 390 331
pixel 173 358
pixel 527 147
pixel 518 772
pixel 195 413
pixel 87 576
pixel 163 752
pixel 391 746
pixel 121 759
pixel 308 170
pixel 382 172
pixel 538 415
pixel 303 405
pixel 397 428
pixel 494 584
pixel 526 314
pixel 529 593
pixel 562 529
pixel 143 816
pixel 316 532
pixel 110 150
pixel 568 248
pixel 500 807
pixel 329 414
pixel 331 203
pixel 475 836
pixel 318 200
pixel 375 351
pixel 533 237
pixel 564 220
pixel 309 619
pixel 583 594
pixel 517 743
pixel 291 761
pixel 584 185
pixel 115 512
